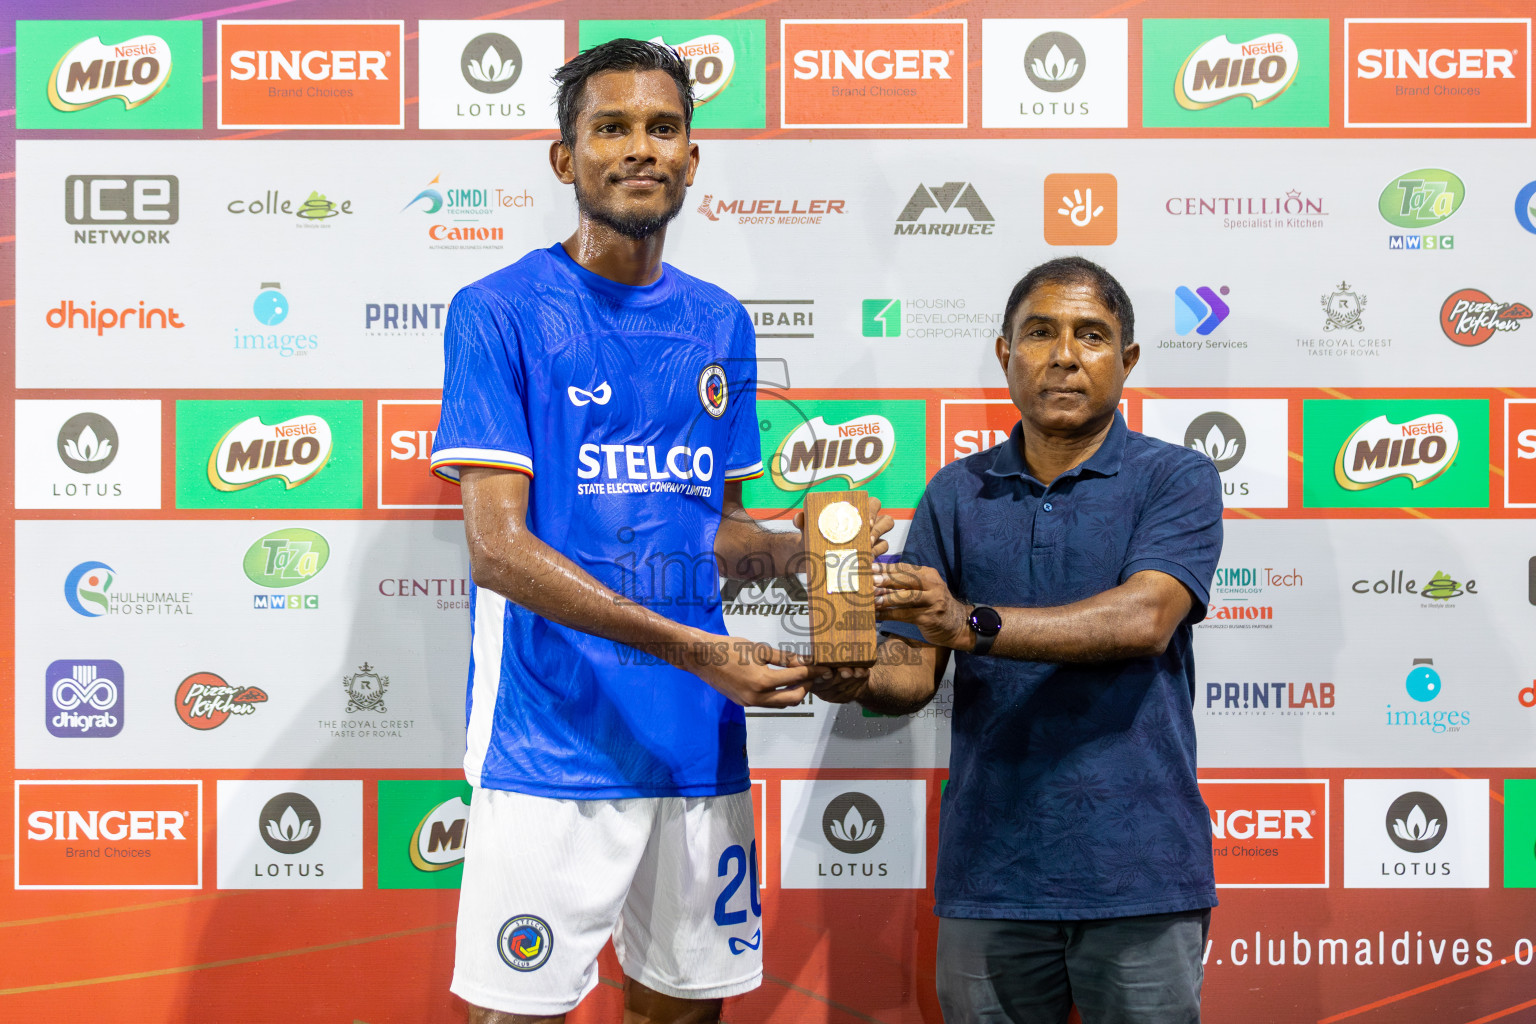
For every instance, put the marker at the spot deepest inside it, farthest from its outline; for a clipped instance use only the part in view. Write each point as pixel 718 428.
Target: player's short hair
pixel 1075 270
pixel 617 55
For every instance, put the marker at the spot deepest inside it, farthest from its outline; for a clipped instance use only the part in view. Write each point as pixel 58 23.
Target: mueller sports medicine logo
pixel 292 451
pixel 1469 317
pixel 311 74
pixel 84 699
pixel 93 72
pixel 761 212
pixel 955 207
pixel 873 74
pixel 817 451
pixel 1380 450
pixel 1220 70
pixel 122 209
pixel 1437 73
pixel 108 835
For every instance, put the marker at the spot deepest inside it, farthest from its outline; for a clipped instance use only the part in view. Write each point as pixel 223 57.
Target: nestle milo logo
pixel 817 451
pixel 1420 198
pixel 286 558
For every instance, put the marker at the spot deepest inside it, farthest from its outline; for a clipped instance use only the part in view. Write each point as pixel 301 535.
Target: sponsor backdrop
pixel 238 602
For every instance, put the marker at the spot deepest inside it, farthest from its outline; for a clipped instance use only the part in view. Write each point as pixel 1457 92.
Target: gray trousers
pixel 1122 970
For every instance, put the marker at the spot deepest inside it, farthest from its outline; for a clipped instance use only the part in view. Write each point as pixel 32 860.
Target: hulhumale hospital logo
pixel 85 589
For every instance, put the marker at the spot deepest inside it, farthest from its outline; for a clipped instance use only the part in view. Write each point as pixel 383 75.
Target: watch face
pixel 986 621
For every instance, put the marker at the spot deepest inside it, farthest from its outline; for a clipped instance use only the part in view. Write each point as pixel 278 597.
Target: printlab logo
pixel 853 823
pixel 525 942
pixel 109 74
pixel 289 823
pixel 491 63
pixel 1200 310
pixel 85 589
pixel 84 699
pixel 1080 209
pixel 1469 317
pixel 950 200
pixel 365 690
pixel 205 701
pixel 1055 62
pixel 1342 309
pixel 1219 437
pixel 1416 822
pixel 87 442
pixel 133 209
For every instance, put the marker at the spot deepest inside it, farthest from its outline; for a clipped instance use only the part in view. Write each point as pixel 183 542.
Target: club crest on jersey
pixel 525 942
pixel 712 390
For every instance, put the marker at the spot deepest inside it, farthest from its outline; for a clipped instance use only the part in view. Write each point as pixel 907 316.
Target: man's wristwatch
pixel 985 625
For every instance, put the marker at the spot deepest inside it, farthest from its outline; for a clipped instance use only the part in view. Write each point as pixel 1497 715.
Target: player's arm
pixel 506 557
pixel 903 679
pixel 746 550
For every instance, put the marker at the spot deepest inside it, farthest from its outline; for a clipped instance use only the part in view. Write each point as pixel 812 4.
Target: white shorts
pixel 546 881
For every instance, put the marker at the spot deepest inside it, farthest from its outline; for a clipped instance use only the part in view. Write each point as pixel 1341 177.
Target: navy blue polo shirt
pixel 1072 789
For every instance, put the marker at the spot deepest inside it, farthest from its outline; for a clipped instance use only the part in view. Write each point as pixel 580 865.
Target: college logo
pixel 292 451
pixel 66 829
pixel 1439 587
pixel 471 79
pixel 1520 459
pixel 286 558
pixel 407 431
pixel 713 392
pixel 1437 73
pixel 311 74
pixel 1387 453
pixel 1200 310
pixel 1469 317
pixel 88 442
pixel 525 942
pixel 1213 72
pixel 313 212
pixel 84 698
pixel 290 823
pixel 950 200
pixel 85 589
pixel 873 74
pixel 109 74
pixel 205 701
pixel 423 833
pixel 269 454
pixel 131 209
pixel 853 823
pixel 365 690
pixel 1054 73
pixel 1084 209
pixel 726 64
pixel 1269 833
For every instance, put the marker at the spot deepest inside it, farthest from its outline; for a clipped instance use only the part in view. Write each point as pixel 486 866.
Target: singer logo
pixel 309 74
pixel 873 74
pixel 1520 459
pixel 1437 73
pixel 1269 833
pixel 971 425
pixel 407 429
pixel 109 835
pixel 292 451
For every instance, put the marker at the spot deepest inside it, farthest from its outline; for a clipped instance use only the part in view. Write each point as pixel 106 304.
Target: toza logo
pixel 600 396
pixel 853 823
pixel 1219 437
pixel 1343 307
pixel 1469 317
pixel 1421 198
pixel 1220 70
pixel 293 451
pixel 1380 450
pixel 289 823
pixel 92 72
pixel 1416 822
pixel 491 63
pixel 817 451
pixel 286 558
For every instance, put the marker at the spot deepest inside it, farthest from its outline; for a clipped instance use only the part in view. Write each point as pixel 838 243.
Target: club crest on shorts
pixel 525 942
pixel 712 390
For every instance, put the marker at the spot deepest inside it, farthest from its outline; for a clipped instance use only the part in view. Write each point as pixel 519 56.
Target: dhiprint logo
pixel 290 823
pixel 1055 62
pixel 525 942
pixel 1416 822
pixel 292 451
pixel 85 589
pixel 1201 310
pixel 491 63
pixel 1080 209
pixel 1469 317
pixel 853 823
pixel 1219 437
pixel 949 199
pixel 205 701
pixel 88 442
pixel 84 699
pixel 598 396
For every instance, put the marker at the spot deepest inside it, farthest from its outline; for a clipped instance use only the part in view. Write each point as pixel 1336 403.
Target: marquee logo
pixel 84 699
pixel 816 451
pixel 311 74
pixel 108 74
pixel 1469 317
pixel 1437 73
pixel 948 201
pixel 1380 450
pixel 292 451
pixel 1219 70
pixel 873 74
pixel 1386 453
pixel 108 835
pixel 205 701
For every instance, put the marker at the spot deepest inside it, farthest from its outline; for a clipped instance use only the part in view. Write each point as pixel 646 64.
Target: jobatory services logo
pixel 1054 72
pixel 853 834
pixel 134 75
pixel 1394 453
pixel 295 834
pixel 831 444
pixel 483 76
pixel 278 454
pixel 1415 833
pixel 311 74
pixel 206 701
pixel 953 208
pixel 1437 73
pixel 100 454
pixel 407 430
pixel 423 833
pixel 122 209
pixel 726 61
pixel 1227 73
pixel 1269 833
pixel 1081 209
pixel 1199 309
pixel 1520 458
pixel 84 699
pixel 108 834
pixel 873 74
pixel 1421 199
pixel 1245 437
pixel 1469 317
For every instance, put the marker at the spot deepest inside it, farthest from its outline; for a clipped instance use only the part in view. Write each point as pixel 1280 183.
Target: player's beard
pixel 634 225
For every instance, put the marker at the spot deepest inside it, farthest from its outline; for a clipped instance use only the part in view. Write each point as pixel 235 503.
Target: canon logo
pixel 1262 824
pixel 72 826
pixel 314 65
pixel 1443 63
pixel 838 65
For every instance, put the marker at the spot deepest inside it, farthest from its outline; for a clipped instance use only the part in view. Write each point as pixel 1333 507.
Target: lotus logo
pixel 1219 437
pixel 816 451
pixel 292 451
pixel 853 823
pixel 1421 198
pixel 1220 70
pixel 1054 62
pixel 290 823
pixel 86 586
pixel 87 442
pixel 92 72
pixel 491 63
pixel 1416 822
pixel 1380 450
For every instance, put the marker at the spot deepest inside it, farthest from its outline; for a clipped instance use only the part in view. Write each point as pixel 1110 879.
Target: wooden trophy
pixel 838 580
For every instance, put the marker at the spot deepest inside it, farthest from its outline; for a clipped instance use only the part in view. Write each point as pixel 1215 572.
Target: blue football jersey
pixel 630 408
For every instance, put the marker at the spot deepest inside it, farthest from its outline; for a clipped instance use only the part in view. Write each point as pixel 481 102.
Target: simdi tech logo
pixel 879 445
pixel 423 833
pixel 1437 73
pixel 727 63
pixel 108 834
pixel 873 74
pixel 280 454
pixel 134 75
pixel 1233 73
pixel 1395 453
pixel 487 75
pixel 311 74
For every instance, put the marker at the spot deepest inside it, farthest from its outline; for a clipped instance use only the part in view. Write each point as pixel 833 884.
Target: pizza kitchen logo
pixel 292 451
pixel 1380 450
pixel 1470 317
pixel 205 701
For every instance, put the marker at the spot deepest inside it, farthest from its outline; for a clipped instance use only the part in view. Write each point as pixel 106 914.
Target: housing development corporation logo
pixel 953 208
pixel 1207 72
pixel 1469 317
pixel 1054 73
pixel 1437 73
pixel 109 74
pixel 726 61
pixel 311 74
pixel 1081 209
pixel 873 74
pixel 1383 453
pixel 84 699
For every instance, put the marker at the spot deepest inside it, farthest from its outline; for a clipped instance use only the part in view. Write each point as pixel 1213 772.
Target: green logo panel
pixel 879 445
pixel 132 75
pixel 1234 73
pixel 882 318
pixel 1395 453
pixel 321 476
pixel 1520 833
pixel 727 60
pixel 423 826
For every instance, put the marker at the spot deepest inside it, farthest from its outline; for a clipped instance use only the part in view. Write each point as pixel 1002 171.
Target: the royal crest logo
pixel 292 451
pixel 205 701
pixel 365 690
pixel 1380 450
pixel 1342 308
pixel 1220 70
pixel 713 390
pixel 817 451
pixel 525 942
pixel 92 72
pixel 1469 317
